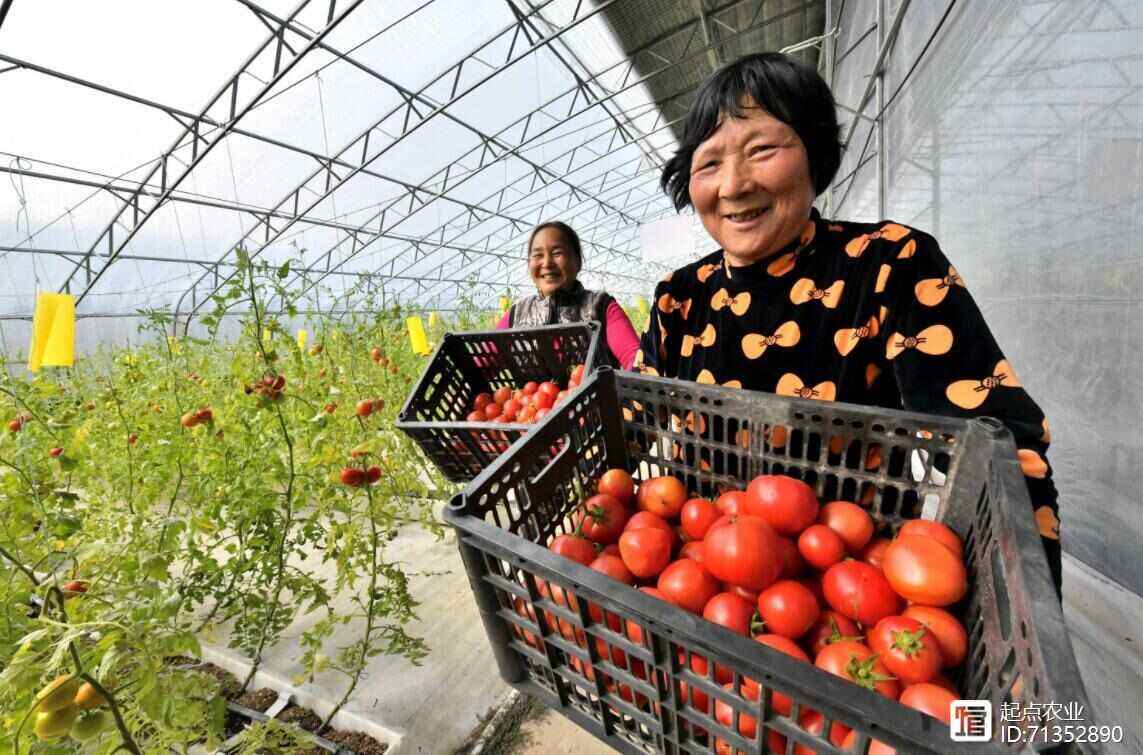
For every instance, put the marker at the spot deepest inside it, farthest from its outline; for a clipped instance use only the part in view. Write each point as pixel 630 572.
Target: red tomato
pixel 874 553
pixel 813 722
pixel 576 376
pixel 788 608
pixel 646 551
pixel 731 611
pixel 782 704
pixel 544 401
pixel 363 409
pixel 949 631
pixel 501 395
pixel 664 496
pixel 576 548
pixel 743 550
pixel 937 531
pixel 527 415
pixel 849 521
pixel 354 477
pixel 549 388
pixel 821 547
pixel 830 627
pixel 475 416
pixel 688 585
pixel 613 567
pixel 908 650
pixel 511 409
pixel 788 505
pixel 855 662
pixel 601 519
pixel 859 591
pixel 929 699
pixel 792 563
pixel 731 502
pixel 618 483
pixel 531 387
pixel 643 519
pixel 482 400
pixel 693 550
pixel 924 571
pixel 696 517
pixel 633 630
pixel 492 411
pixel 747 726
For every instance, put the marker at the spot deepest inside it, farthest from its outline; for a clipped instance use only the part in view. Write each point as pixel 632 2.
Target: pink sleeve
pixel 504 321
pixel 621 337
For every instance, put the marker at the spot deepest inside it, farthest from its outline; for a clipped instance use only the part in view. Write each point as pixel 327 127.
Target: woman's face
pixel 551 261
pixel 750 184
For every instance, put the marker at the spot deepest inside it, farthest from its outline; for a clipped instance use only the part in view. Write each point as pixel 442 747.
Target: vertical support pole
pixel 882 162
pixel 936 177
pixel 829 45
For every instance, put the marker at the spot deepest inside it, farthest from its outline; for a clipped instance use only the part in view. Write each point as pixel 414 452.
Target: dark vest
pixel 575 304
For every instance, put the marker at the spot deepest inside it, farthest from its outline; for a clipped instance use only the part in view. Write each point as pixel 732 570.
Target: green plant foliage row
pixel 190 488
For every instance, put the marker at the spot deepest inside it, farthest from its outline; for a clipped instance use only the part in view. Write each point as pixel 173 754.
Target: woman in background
pixel 555 258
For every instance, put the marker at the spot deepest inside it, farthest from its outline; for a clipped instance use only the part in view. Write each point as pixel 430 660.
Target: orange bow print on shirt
pixel 932 291
pixel 847 338
pixel 754 345
pixel 706 377
pixel 969 394
pixel 784 263
pixel 706 338
pixel 933 340
pixel 890 231
pixel 705 272
pixel 738 304
pixel 805 290
pixel 792 385
pixel 668 304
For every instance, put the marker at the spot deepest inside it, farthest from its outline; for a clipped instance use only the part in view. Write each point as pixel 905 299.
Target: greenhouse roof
pixel 403 149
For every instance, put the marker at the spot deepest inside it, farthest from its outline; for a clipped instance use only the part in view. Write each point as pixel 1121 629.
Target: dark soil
pixel 259 699
pixel 303 717
pixel 230 687
pixel 362 744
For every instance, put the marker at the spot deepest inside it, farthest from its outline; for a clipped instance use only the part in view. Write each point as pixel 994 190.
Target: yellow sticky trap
pixel 417 338
pixel 433 319
pixel 53 332
pixel 302 336
pixel 642 305
pixel 504 304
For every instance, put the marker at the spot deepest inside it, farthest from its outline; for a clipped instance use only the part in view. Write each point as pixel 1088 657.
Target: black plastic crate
pixel 466 364
pixel 963 473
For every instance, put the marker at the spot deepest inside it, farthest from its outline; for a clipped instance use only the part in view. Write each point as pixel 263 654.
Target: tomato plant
pixel 190 489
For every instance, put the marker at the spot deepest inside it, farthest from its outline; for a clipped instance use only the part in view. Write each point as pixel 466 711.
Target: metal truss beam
pixel 267 66
pixel 663 63
pixel 324 182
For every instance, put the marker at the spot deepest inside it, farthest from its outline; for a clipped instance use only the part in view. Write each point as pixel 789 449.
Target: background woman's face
pixel 551 261
pixel 750 185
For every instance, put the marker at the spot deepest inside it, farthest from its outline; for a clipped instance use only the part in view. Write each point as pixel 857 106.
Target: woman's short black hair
pixel 790 91
pixel 570 236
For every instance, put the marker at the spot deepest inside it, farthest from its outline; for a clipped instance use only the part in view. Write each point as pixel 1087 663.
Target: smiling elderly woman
pixel 868 313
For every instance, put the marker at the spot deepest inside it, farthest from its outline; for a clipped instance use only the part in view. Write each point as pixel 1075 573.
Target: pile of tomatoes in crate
pixel 525 405
pixel 773 563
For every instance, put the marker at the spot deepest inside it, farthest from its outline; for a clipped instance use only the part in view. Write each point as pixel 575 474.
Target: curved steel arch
pixel 693 27
pixel 281 61
pixel 412 120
